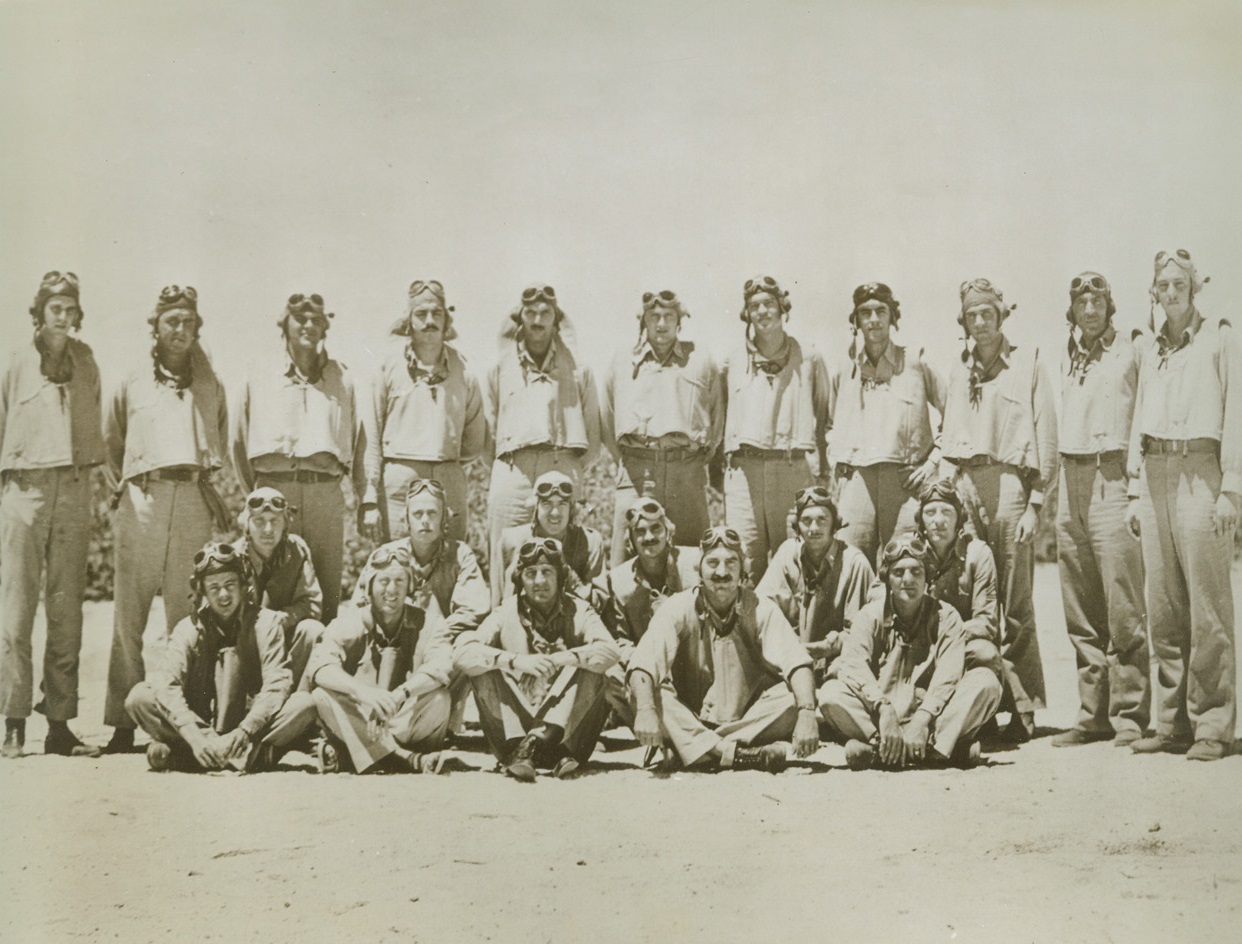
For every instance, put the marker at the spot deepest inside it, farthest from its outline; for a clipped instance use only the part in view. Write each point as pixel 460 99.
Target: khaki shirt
pixel 44 425
pixel 285 423
pixel 184 683
pixel 552 404
pixel 966 580
pixel 1190 391
pixel 355 642
pixel 918 667
pixel 438 417
pixel 785 410
pixel 629 599
pixel 719 675
pixel 286 581
pixel 150 425
pixel 575 627
pixel 453 579
pixel 880 411
pixel 1010 418
pixel 674 404
pixel 1098 389
pixel 583 549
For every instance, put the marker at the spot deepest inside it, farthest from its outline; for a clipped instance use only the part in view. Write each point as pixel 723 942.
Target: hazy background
pixel 257 149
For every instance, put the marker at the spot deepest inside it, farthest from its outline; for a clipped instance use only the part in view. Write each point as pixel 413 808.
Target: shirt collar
pixel 420 374
pixel 1168 345
pixel 811 575
pixel 678 354
pixel 531 366
pixel 316 372
pixel 58 371
pixel 719 625
pixel 890 360
pixel 769 365
pixel 549 627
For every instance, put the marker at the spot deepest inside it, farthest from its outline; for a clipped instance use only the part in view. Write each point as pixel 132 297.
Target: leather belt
pixel 1094 458
pixel 747 450
pixel 680 454
pixel 971 462
pixel 301 476
pixel 174 475
pixel 1178 447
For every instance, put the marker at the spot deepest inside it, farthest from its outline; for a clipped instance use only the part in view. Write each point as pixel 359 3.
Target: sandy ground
pixel 1089 844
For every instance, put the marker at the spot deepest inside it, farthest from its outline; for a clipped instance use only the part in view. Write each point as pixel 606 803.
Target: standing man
pixel 720 673
pixel 542 412
pixel 166 431
pixel 819 582
pixel 882 444
pixel 537 666
pixel 1000 435
pixel 1186 486
pixel 298 431
pixel 902 695
pixel 1101 568
pixel 426 419
pixel 779 402
pixel 663 418
pixel 49 441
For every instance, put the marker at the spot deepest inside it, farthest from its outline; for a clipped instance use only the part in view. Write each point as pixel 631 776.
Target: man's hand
pixel 892 749
pixel 1225 517
pixel 647 727
pixel 921 477
pixel 1131 518
pixel 212 751
pixel 235 744
pixel 1028 524
pixel 806 733
pixel 914 735
pixel 827 648
pixel 534 665
pixel 370 525
pixel 375 704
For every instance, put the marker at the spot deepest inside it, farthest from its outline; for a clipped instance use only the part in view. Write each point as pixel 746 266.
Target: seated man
pixel 284 575
pixel 537 666
pixel 962 572
pixel 554 518
pixel 628 595
pixel 217 699
pixel 818 581
pixel 380 675
pixel 720 673
pixel 901 691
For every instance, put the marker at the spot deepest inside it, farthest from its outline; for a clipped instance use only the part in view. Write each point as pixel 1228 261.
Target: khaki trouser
pixel 680 486
pixel 770 718
pixel 575 703
pixel 875 506
pixel 1101 570
pixel 968 709
pixel 45 517
pixel 511 498
pixel 299 642
pixel 291 722
pixel 1004 496
pixel 399 473
pixel 759 496
pixel 157 532
pixel 1189 597
pixel 319 518
pixel 419 725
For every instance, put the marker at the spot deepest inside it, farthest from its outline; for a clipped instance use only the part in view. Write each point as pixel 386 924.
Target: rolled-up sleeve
pixel 656 651
pixel 476 652
pixel 778 641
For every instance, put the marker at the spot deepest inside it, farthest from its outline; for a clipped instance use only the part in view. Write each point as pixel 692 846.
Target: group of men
pixel 872 582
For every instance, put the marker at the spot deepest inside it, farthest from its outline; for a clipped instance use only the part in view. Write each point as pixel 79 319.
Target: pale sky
pixel 254 149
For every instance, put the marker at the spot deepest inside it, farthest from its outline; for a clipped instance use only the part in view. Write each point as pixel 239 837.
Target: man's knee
pixel 983 654
pixel 140 701
pixel 306 634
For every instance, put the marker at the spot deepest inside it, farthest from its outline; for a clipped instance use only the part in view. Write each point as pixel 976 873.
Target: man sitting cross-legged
pixel 900 695
pixel 219 699
pixel 380 676
pixel 720 673
pixel 537 666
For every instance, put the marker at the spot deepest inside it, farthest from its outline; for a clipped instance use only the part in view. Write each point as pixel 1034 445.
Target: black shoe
pixel 1076 737
pixel 14 738
pixel 771 757
pixel 859 755
pixel 159 757
pixel 1021 728
pixel 122 741
pixel 567 768
pixel 521 765
pixel 60 740
pixel 327 758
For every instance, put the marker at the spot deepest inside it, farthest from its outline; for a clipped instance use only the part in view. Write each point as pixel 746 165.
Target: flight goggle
pixel 536 292
pixel 535 548
pixel 1091 283
pixel 431 284
pixel 221 554
pixel 721 537
pixel 763 283
pixel 908 546
pixel 300 302
pixel 418 486
pixel 666 297
pixel 55 277
pixel 872 290
pixel 548 489
pixel 1179 255
pixel 256 503
pixel 384 555
pixel 172 293
pixel 647 508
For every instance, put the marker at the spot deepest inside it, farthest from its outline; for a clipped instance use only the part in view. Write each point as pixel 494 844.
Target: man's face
pixel 816 527
pixel 907 581
pixel 983 323
pixel 1090 314
pixel 427 319
pixel 940 522
pixel 425 518
pixel 223 593
pixel 763 311
pixel 388 592
pixel 264 529
pixel 661 323
pixel 1173 290
pixel 175 332
pixel 650 538
pixel 539 583
pixel 721 573
pixel 874 321
pixel 552 513
pixel 538 321
pixel 61 315
pixel 305 330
